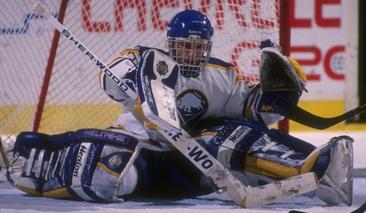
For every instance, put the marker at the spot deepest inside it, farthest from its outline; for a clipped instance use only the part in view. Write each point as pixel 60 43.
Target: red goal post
pixel 47 86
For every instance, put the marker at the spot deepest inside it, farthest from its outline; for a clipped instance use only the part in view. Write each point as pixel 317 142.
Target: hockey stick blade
pixel 306 118
pixel 40 8
pixel 280 190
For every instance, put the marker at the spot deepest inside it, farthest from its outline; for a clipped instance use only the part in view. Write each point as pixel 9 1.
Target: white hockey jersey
pixel 217 93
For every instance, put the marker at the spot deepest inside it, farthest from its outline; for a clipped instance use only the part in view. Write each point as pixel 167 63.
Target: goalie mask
pixel 189 41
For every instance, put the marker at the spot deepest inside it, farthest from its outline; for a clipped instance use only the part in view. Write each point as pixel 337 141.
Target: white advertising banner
pixel 318 42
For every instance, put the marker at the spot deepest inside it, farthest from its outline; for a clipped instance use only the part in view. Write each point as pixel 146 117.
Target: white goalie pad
pixel 336 186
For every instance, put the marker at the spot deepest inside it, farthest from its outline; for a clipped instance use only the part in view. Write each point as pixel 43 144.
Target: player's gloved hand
pixel 279 72
pixel 282 79
pixel 277 102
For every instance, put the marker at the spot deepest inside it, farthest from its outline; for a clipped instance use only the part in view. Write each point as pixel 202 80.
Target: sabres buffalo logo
pixel 191 104
pixel 162 68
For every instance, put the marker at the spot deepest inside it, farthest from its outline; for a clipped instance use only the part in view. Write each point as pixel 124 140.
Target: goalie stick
pixel 304 117
pixel 223 178
pixel 42 10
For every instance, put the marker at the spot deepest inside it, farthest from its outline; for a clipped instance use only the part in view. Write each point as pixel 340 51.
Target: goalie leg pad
pixel 27 167
pixel 256 155
pixel 278 155
pixel 246 145
pixel 233 140
pixel 241 146
pixel 83 165
pixel 336 183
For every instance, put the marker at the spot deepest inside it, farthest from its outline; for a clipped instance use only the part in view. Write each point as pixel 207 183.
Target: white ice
pixel 12 200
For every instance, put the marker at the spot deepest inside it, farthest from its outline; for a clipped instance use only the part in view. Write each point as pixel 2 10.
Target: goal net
pixel 46 85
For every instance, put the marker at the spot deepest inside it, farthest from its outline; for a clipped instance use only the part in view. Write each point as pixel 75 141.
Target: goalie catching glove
pixel 278 72
pixel 282 79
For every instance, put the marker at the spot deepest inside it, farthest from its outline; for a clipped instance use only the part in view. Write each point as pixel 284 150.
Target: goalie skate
pixel 336 185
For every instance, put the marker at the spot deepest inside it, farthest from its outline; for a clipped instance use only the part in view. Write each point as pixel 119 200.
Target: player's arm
pixel 248 100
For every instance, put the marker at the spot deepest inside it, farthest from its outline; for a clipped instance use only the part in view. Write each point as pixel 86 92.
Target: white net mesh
pixel 73 99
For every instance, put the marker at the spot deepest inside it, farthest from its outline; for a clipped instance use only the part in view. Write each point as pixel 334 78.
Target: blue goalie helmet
pixel 189 41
